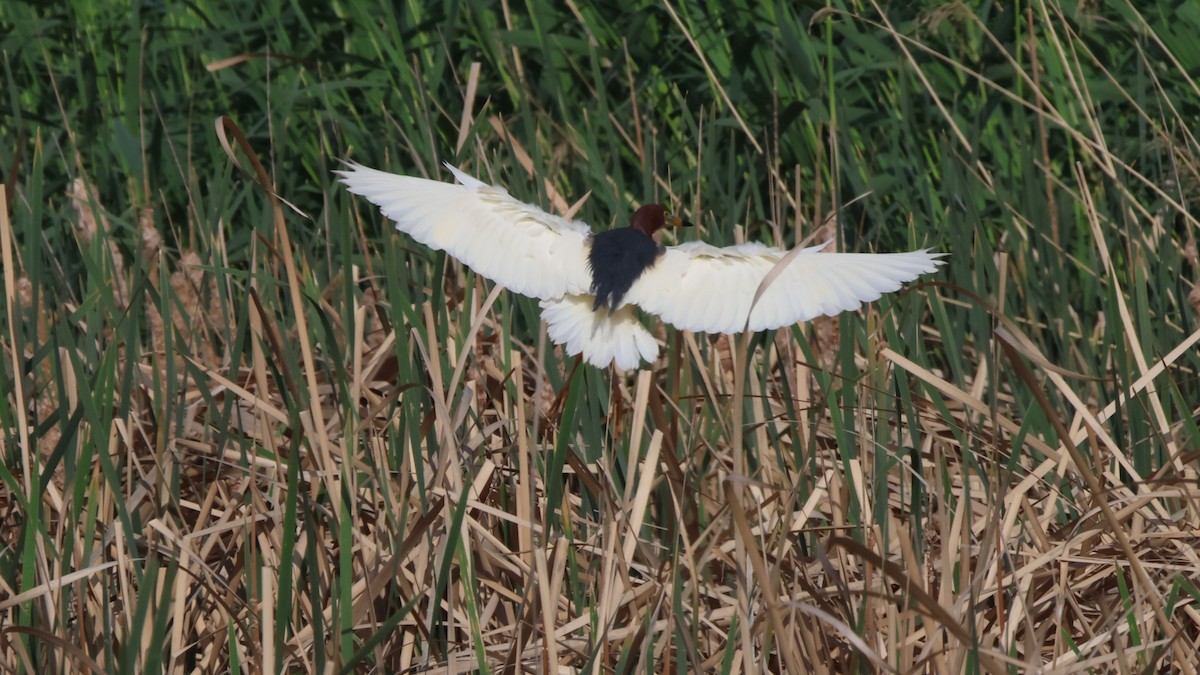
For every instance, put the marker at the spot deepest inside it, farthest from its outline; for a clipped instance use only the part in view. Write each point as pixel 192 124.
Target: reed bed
pixel 247 427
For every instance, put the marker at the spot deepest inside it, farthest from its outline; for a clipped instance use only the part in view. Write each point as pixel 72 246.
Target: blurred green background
pixel 1047 145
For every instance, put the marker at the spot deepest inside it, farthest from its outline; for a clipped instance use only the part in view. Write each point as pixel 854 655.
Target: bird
pixel 589 284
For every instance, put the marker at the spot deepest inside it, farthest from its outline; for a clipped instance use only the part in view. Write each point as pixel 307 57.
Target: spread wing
pixel 703 288
pixel 515 244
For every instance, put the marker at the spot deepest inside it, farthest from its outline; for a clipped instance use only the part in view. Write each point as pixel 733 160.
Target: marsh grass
pixel 247 427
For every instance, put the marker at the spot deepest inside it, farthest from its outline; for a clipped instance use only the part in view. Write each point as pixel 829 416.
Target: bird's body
pixel 589 284
pixel 616 259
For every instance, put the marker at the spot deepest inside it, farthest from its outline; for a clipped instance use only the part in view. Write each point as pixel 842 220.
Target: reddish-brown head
pixel 653 217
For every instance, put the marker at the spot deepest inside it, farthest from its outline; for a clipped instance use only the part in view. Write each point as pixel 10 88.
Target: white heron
pixel 589 283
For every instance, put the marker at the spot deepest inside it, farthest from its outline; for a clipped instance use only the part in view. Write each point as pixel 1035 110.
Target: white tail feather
pixel 603 337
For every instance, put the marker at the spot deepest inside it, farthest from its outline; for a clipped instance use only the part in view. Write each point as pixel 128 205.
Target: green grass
pixel 242 434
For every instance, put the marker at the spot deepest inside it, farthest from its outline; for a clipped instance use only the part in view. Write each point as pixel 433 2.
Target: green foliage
pixel 1048 146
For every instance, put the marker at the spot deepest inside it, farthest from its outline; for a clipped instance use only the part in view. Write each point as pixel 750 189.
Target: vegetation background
pixel 247 427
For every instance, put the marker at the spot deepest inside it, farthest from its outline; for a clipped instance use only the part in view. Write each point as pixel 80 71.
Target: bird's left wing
pixel 703 288
pixel 515 244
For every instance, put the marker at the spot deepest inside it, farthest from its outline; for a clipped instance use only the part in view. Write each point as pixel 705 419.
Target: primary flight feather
pixel 589 283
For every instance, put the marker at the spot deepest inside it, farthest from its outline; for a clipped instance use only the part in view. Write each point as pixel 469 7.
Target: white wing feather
pixel 702 288
pixel 515 244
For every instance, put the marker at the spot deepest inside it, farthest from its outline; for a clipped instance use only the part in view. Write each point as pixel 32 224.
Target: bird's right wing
pixel 515 244
pixel 703 288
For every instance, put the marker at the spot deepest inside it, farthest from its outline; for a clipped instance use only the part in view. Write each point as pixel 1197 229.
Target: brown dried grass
pixel 682 551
